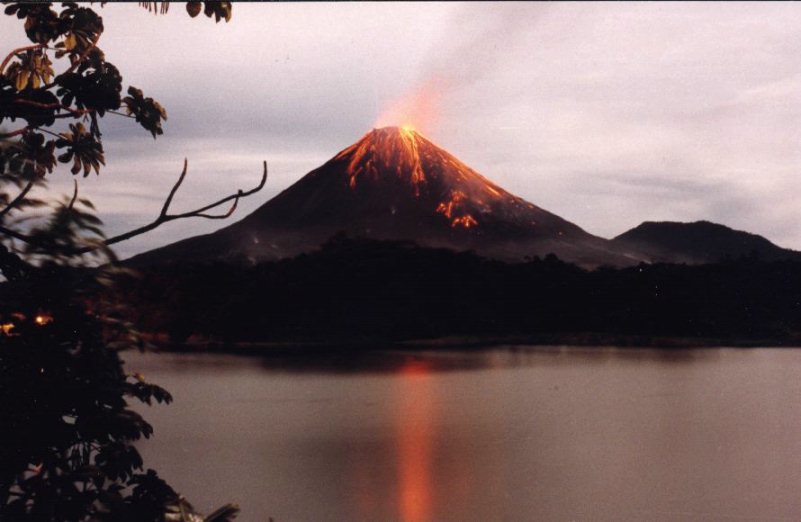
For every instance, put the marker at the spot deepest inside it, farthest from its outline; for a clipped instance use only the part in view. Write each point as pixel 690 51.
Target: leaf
pixel 69 42
pixel 194 8
pixel 147 112
pixel 22 80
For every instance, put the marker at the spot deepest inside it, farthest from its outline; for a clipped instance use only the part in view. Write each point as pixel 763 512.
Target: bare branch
pixel 17 51
pixel 73 112
pixel 221 216
pixel 236 196
pixel 174 189
pixel 74 194
pixel 118 113
pixel 17 235
pixel 16 201
pixel 11 134
pixel 163 217
pixel 39 129
pixel 64 115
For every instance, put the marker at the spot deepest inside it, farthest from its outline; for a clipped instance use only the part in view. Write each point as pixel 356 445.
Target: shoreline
pixel 472 342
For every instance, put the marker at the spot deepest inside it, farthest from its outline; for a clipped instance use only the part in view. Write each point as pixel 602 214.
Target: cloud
pixel 608 114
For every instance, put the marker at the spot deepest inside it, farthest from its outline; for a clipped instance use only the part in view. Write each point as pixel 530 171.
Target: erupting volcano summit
pixel 395 184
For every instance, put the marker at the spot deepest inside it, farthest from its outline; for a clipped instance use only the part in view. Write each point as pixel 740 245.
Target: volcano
pixel 395 184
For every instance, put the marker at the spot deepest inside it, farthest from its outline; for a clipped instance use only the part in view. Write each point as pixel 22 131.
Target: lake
pixel 509 433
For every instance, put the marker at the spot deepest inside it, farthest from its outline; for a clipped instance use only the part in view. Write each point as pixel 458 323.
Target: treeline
pixel 365 290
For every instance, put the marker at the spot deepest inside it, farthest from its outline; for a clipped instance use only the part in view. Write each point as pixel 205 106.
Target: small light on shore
pixel 42 319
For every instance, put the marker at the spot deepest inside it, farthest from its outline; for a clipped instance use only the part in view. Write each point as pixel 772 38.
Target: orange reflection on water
pixel 415 442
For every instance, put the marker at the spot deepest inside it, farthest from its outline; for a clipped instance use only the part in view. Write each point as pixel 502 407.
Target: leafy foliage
pixel 32 70
pixel 82 150
pixel 68 427
pixel 147 112
pixel 67 430
pixel 31 156
pixel 89 87
pixel 218 10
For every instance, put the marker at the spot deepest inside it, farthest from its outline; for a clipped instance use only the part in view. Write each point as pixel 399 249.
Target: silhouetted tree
pixel 66 427
pixel 374 292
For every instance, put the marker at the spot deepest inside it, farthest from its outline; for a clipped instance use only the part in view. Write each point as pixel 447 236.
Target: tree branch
pixel 74 194
pixel 73 112
pixel 174 189
pixel 17 235
pixel 163 217
pixel 11 134
pixel 64 115
pixel 19 198
pixel 118 113
pixel 39 129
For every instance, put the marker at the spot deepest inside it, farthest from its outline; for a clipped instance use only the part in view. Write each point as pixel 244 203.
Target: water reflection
pixel 415 438
pixel 550 433
pixel 364 361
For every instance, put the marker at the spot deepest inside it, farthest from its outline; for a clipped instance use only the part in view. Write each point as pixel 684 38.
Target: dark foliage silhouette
pixel 67 429
pixel 367 290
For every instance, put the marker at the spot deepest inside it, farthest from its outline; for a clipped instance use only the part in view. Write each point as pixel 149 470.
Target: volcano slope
pixel 395 184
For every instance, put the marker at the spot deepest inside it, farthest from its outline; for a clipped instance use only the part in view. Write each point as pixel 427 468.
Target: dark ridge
pixel 697 243
pixel 368 291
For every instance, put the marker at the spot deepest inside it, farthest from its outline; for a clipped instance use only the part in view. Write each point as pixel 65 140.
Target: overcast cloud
pixel 607 114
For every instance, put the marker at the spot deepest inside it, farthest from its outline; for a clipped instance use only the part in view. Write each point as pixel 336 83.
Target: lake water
pixel 503 434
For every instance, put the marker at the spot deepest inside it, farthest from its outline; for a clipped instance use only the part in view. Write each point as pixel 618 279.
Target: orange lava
pixel 391 150
pixel 465 221
pixel 450 207
pixel 447 207
pixel 461 195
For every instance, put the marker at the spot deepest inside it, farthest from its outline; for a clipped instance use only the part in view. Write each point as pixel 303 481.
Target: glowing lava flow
pixel 465 221
pixel 410 141
pixel 390 150
pixel 438 180
pixel 448 209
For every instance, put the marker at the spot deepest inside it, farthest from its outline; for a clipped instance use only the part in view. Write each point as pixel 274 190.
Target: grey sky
pixel 607 114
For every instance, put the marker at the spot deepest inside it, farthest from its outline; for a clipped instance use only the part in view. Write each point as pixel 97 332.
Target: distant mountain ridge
pixel 697 243
pixel 394 184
